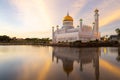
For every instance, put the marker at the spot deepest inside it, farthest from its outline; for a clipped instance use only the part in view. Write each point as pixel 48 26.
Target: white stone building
pixel 68 33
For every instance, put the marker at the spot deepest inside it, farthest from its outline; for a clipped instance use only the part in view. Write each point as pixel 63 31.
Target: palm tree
pixel 117 31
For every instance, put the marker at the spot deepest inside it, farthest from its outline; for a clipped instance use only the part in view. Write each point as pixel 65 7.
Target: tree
pixel 5 38
pixel 117 31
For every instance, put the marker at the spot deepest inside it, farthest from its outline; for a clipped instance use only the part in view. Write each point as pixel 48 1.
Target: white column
pixel 57 27
pixel 81 25
pixel 94 28
pixel 96 21
pixel 80 29
pixel 53 40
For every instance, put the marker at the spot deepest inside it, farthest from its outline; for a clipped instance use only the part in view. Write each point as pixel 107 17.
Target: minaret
pixel 57 27
pixel 53 39
pixel 80 28
pixel 81 24
pixel 96 27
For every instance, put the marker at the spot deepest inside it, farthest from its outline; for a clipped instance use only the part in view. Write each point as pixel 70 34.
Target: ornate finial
pixel 81 20
pixel 68 13
pixel 96 10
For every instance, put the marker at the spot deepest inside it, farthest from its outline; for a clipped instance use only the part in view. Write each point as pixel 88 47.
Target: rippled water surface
pixel 59 63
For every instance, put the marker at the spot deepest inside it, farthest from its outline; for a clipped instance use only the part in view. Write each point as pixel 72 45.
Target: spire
pixel 68 13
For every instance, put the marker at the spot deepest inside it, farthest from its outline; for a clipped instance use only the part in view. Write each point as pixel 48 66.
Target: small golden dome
pixel 68 18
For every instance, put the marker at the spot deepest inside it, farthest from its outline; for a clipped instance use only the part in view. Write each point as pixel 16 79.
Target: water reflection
pixel 118 57
pixel 82 56
pixel 59 63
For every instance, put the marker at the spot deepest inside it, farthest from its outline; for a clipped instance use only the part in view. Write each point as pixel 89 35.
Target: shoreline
pixel 77 45
pixel 86 45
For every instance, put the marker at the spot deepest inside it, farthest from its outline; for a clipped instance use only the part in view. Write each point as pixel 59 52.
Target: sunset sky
pixel 35 18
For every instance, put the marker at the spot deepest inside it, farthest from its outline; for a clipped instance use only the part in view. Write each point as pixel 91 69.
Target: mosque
pixel 84 33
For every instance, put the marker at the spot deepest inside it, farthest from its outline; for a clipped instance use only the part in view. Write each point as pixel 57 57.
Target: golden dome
pixel 68 18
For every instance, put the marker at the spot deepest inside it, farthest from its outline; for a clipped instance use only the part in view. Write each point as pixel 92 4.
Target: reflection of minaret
pixel 53 56
pixel 93 56
pixel 57 60
pixel 97 65
pixel 81 67
pixel 118 57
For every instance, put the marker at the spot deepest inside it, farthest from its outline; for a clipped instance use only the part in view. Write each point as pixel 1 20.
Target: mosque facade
pixel 84 33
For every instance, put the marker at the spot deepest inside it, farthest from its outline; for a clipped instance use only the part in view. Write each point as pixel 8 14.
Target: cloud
pixel 77 6
pixel 37 16
pixel 109 12
pixel 115 15
pixel 35 34
pixel 108 32
pixel 6 28
pixel 32 13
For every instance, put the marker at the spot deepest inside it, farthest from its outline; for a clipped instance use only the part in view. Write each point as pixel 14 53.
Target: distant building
pixel 67 33
pixel 115 38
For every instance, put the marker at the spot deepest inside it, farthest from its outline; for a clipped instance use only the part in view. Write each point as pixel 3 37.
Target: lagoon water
pixel 59 63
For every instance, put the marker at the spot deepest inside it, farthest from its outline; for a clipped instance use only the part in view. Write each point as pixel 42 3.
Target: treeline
pixel 7 39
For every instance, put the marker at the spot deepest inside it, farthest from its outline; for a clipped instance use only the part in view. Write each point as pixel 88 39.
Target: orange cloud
pixel 33 13
pixel 115 15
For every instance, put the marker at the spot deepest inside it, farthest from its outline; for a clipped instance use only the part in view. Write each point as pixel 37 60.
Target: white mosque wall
pixel 74 34
pixel 67 37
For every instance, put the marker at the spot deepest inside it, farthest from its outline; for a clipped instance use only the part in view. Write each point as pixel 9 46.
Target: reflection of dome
pixel 69 55
pixel 68 66
pixel 68 18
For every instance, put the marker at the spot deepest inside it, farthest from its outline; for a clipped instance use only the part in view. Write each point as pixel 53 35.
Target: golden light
pixel 110 67
pixel 105 50
pixel 43 72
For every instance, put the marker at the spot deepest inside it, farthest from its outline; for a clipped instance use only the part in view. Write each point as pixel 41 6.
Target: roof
pixel 115 36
